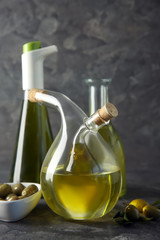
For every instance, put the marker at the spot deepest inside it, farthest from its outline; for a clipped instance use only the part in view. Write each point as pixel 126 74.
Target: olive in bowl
pixel 14 204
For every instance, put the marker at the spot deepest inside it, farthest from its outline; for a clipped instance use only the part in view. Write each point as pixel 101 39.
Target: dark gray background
pixel 117 39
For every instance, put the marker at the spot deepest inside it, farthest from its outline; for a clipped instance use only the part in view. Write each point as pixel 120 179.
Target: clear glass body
pixel 33 141
pixel 98 96
pixel 80 176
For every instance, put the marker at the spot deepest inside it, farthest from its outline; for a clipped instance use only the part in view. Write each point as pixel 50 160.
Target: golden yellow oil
pixel 111 136
pixel 86 196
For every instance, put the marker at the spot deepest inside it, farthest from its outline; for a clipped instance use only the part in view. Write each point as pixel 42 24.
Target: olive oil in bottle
pixel 98 95
pixel 80 176
pixel 111 136
pixel 34 134
pixel 83 196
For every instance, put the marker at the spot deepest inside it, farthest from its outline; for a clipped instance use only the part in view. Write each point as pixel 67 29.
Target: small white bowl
pixel 11 211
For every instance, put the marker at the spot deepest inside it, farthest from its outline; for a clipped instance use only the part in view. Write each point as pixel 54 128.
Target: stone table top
pixel 42 223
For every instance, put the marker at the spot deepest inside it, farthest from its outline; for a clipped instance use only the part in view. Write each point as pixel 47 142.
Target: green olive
pixel 132 213
pixel 17 188
pixel 139 204
pixel 9 196
pixel 28 191
pixel 12 198
pixel 2 199
pixel 5 189
pixel 151 212
pixel 20 197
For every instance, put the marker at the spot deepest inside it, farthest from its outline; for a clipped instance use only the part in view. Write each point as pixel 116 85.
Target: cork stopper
pixel 107 112
pixel 32 93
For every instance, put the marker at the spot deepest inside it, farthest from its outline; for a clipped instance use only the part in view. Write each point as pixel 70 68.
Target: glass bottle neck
pixel 94 122
pixel 98 93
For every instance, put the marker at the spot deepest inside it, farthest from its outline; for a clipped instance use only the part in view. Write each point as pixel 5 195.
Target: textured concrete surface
pixel 104 38
pixel 42 223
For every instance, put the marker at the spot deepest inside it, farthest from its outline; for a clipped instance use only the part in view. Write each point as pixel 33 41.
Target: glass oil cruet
pixel 98 96
pixel 80 176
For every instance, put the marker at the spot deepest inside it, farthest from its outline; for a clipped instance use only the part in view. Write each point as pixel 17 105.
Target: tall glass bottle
pixel 98 96
pixel 34 133
pixel 80 176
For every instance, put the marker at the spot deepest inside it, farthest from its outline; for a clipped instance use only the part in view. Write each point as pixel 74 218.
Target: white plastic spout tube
pixel 32 67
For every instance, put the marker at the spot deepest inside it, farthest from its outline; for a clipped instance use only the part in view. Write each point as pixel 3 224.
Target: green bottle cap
pixel 31 46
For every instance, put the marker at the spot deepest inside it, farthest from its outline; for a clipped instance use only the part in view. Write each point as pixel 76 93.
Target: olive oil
pixel 34 136
pixel 80 176
pixel 98 96
pixel 33 141
pixel 110 135
pixel 82 196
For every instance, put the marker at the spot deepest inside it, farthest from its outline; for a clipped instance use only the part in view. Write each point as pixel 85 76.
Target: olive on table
pixel 17 188
pixel 139 204
pixel 28 191
pixel 132 213
pixel 151 212
pixel 5 189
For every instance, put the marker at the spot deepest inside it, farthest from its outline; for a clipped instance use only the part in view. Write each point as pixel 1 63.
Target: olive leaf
pixel 156 203
pixel 143 218
pixel 121 218
pixel 119 214
pixel 126 218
